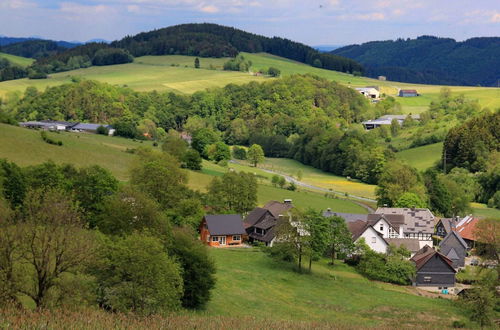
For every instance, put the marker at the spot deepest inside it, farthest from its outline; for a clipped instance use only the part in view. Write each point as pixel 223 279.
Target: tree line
pixel 471 62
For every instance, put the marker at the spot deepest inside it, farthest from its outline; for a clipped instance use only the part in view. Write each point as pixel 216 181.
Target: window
pixel 374 240
pixel 214 238
pixel 427 279
pixel 236 237
pixel 381 227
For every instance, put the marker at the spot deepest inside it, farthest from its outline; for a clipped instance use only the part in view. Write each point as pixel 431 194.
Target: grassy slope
pixel 21 61
pixel 25 147
pixel 251 284
pixel 422 157
pixel 156 73
pixel 145 74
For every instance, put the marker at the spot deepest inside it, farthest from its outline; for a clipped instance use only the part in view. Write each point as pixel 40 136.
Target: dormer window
pixel 381 227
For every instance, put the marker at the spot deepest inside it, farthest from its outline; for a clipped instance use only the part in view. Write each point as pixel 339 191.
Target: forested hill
pixel 33 48
pixel 212 40
pixel 430 60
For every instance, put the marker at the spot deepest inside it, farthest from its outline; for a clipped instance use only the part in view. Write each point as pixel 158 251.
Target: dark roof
pixel 452 255
pixel 447 223
pixel 91 127
pixel 395 220
pixel 348 217
pixel 357 228
pixel 416 220
pixel 253 217
pixel 225 224
pixel 425 254
pixel 267 223
pixel 277 208
pixel 408 91
pixel 267 237
pixel 457 235
pixel 412 244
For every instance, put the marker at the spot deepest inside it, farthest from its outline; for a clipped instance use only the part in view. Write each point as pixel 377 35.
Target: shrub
pixel 47 139
pixel 392 269
pixel 239 153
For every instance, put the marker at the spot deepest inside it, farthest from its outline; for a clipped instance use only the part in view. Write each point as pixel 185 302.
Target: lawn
pixel 422 157
pixel 251 284
pixel 18 60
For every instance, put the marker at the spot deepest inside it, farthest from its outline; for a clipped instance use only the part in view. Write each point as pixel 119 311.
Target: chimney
pixel 288 201
pixel 329 209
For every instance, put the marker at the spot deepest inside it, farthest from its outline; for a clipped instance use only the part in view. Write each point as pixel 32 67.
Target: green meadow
pixel 422 157
pixel 177 73
pixel 18 60
pixel 25 147
pixel 249 283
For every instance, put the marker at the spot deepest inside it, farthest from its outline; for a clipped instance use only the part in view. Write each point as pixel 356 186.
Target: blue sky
pixel 314 22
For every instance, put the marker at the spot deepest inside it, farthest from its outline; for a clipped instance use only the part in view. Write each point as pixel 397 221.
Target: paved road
pixel 288 178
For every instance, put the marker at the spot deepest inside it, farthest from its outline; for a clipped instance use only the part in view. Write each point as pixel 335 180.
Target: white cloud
pixel 17 4
pixel 495 18
pixel 376 16
pixel 75 8
pixel 210 9
pixel 133 8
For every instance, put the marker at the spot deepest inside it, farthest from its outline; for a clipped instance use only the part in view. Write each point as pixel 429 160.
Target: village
pixel 438 247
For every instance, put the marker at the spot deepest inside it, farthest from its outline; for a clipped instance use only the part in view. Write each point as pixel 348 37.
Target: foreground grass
pixel 252 291
pixel 251 284
pixel 18 60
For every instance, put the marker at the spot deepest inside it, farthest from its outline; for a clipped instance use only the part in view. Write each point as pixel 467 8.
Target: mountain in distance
pixel 327 48
pixel 4 41
pixel 97 40
pixel 430 60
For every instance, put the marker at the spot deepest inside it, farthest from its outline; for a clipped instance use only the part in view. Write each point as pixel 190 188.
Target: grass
pixel 251 284
pixel 144 74
pixel 254 292
pixel 21 61
pixel 422 157
pixel 482 211
pixel 157 73
pixel 25 147
pixel 315 177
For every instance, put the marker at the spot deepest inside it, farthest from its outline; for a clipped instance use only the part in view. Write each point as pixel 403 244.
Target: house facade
pixel 369 92
pixel 222 230
pixel 261 221
pixel 363 230
pixel 454 248
pixel 433 269
pixel 387 120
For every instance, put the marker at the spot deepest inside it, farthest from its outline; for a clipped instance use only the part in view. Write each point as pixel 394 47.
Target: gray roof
pixel 255 216
pixel 348 217
pixel 457 235
pixel 412 244
pixel 452 254
pixel 417 220
pixel 395 220
pixel 225 224
pixel 88 127
pixel 277 208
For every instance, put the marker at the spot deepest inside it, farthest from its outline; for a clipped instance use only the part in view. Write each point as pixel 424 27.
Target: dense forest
pixel 212 40
pixel 12 40
pixel 33 48
pixel 430 60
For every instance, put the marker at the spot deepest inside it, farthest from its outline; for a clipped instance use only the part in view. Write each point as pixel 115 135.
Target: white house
pixel 369 92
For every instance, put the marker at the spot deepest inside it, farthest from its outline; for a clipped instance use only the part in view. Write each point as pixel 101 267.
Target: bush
pixel 102 130
pixel 198 268
pixel 109 56
pixel 392 269
pixel 192 160
pixel 47 139
pixel 239 153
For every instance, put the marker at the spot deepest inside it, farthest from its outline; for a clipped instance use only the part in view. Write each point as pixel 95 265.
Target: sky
pixel 313 22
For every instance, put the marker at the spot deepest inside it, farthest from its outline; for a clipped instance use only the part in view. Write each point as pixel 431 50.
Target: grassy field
pixel 483 211
pixel 21 61
pixel 249 283
pixel 318 178
pixel 422 157
pixel 145 74
pixel 177 73
pixel 254 292
pixel 25 147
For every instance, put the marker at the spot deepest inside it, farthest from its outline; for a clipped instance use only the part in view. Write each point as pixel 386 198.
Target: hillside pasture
pixel 422 157
pixel 18 60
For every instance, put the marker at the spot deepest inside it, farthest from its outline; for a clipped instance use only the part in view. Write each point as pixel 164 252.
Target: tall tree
pixel 339 237
pixel 396 179
pixel 236 192
pixel 255 154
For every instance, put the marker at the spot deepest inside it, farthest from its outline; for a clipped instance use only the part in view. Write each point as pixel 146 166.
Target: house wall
pixel 229 241
pixel 439 272
pixel 379 246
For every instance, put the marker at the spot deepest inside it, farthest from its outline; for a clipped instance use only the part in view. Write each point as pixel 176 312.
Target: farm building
pixel 222 230
pixel 455 248
pixel 382 78
pixel 369 92
pixel 55 125
pixel 464 226
pixel 408 93
pixel 48 125
pixel 387 120
pixel 433 269
pixel 260 223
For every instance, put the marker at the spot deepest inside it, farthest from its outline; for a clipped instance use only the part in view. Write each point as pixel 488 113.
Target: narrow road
pixel 289 178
